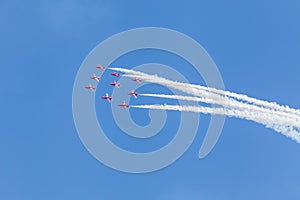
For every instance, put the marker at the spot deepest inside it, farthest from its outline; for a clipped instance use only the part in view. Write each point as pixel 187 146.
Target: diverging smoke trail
pixel 291 119
pixel 207 92
pixel 282 119
pixel 266 119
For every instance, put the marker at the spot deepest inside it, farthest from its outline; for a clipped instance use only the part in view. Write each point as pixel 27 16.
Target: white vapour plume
pixel 282 119
pixel 230 103
pixel 199 90
pixel 268 120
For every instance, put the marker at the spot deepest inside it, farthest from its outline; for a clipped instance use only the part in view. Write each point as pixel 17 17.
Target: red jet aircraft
pixel 100 67
pixel 124 105
pixel 108 98
pixel 116 74
pixel 137 79
pixel 133 93
pixel 90 87
pixel 115 84
pixel 96 78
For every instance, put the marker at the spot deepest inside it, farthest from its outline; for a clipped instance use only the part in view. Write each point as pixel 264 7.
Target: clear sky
pixel 255 45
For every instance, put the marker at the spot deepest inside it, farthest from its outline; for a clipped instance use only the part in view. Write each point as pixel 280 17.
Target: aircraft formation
pixel 114 84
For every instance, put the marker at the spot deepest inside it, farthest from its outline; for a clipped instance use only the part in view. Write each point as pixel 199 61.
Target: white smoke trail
pixel 230 103
pixel 199 90
pixel 268 120
pixel 282 119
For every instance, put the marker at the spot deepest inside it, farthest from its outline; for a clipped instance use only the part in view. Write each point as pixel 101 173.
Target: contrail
pixel 268 120
pixel 199 90
pixel 280 118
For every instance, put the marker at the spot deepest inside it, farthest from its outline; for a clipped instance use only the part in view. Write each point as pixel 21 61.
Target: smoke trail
pixel 282 119
pixel 199 90
pixel 268 120
pixel 230 103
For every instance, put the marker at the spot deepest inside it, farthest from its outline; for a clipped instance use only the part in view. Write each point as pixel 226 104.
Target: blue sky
pixel 255 45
